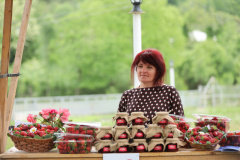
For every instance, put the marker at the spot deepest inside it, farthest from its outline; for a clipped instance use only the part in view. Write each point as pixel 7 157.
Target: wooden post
pixel 16 66
pixel 4 69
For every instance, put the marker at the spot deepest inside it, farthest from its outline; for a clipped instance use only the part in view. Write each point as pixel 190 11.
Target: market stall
pixel 130 135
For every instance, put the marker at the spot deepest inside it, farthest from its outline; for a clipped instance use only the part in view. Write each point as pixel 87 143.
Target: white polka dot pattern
pixel 151 100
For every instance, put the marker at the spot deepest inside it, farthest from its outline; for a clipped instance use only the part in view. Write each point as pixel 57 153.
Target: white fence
pixel 108 103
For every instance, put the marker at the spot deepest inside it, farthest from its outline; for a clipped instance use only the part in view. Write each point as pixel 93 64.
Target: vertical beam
pixel 17 64
pixel 4 68
pixel 137 41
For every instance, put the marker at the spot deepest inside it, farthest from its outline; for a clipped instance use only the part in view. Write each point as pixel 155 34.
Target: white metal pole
pixel 172 76
pixel 137 41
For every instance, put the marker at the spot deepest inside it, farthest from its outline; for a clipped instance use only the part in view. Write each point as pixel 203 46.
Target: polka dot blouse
pixel 151 100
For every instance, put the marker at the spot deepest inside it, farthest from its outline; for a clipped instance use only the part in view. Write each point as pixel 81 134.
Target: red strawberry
pixel 16 128
pixel 81 128
pixel 195 133
pixel 215 133
pixel 55 129
pixel 48 130
pixel 25 127
pixel 205 138
pixel 230 134
pixel 31 126
pixel 70 129
pixel 60 147
pixel 38 126
pixel 68 149
pixel 41 133
pixel 23 133
pixel 198 138
pixel 82 151
pixel 88 149
pixel 76 132
pixel 90 132
pixel 81 147
pixel 238 133
pixel 49 127
pixel 75 150
pixel 83 132
pixel 82 142
pixel 74 144
pixel 215 140
pixel 16 132
pixel 192 139
pixel 42 129
pixel 220 134
pixel 203 142
pixel 30 134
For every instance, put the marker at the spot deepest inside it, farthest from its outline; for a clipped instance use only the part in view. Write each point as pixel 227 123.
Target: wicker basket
pixel 32 145
pixel 203 147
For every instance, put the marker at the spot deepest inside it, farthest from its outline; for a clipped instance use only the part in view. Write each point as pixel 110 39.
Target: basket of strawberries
pixel 39 137
pixel 204 138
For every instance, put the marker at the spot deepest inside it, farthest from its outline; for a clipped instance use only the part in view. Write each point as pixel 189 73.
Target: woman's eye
pixel 150 67
pixel 140 66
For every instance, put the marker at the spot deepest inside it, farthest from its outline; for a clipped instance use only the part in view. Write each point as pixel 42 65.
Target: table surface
pixel 182 154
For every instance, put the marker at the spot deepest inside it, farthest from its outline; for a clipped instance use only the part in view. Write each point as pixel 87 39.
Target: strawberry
pixel 81 128
pixel 89 143
pixel 213 140
pixel 202 142
pixel 197 137
pixel 220 134
pixel 192 139
pixel 25 127
pixel 75 150
pixel 49 127
pixel 88 149
pixel 205 138
pixel 76 132
pixel 60 147
pixel 195 133
pixel 55 129
pixel 16 128
pixel 230 134
pixel 82 151
pixel 31 126
pixel 70 129
pixel 73 144
pixel 215 133
pixel 238 133
pixel 81 147
pixel 30 134
pixel 23 133
pixel 38 126
pixel 68 149
pixel 42 129
pixel 41 133
pixel 90 132
pixel 47 130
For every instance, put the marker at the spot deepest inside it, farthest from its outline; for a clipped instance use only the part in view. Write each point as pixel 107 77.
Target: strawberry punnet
pixel 73 144
pixel 205 135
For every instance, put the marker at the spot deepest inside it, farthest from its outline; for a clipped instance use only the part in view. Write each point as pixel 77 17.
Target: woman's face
pixel 146 73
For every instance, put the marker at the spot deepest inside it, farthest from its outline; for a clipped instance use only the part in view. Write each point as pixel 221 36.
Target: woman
pixel 152 95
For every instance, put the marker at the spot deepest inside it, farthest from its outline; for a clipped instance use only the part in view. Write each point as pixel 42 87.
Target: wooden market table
pixel 182 154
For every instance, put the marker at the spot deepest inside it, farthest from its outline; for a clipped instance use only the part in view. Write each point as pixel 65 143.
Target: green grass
pixel 106 120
